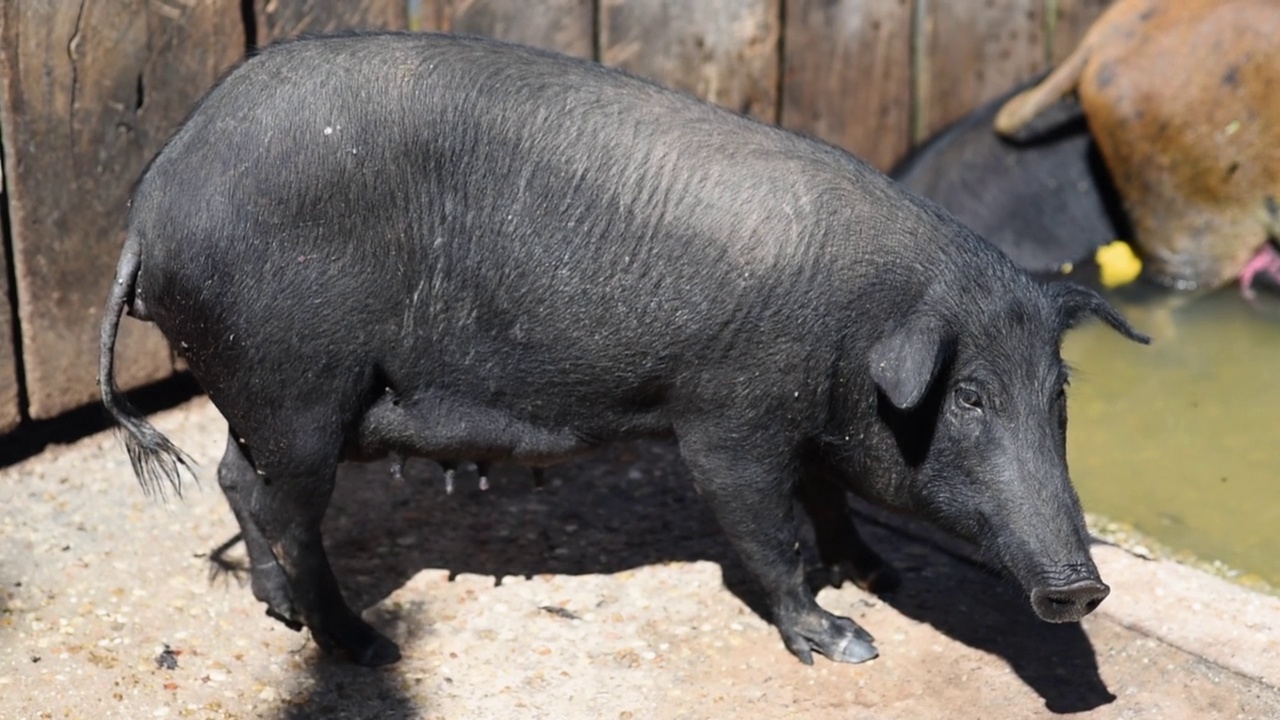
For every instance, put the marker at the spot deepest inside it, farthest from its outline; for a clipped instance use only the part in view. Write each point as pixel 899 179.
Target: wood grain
pixel 563 25
pixel 725 51
pixel 971 52
pixel 847 74
pixel 89 91
pixel 276 19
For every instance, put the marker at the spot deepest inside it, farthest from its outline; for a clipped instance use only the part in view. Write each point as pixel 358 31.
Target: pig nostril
pixel 1070 603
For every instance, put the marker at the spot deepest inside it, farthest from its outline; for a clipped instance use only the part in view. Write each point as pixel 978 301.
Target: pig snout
pixel 1068 602
pixel 1182 269
pixel 1197 254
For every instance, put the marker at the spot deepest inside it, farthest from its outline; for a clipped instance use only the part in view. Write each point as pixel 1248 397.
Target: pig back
pixel 493 212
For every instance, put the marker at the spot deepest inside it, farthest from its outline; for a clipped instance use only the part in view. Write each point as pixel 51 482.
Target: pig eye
pixel 968 398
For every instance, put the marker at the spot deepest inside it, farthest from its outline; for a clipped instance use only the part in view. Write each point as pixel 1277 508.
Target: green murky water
pixel 1181 439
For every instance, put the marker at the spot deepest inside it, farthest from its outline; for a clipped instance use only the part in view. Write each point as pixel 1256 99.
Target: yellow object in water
pixel 1117 264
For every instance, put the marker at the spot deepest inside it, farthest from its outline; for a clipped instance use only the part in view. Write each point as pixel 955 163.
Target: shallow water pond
pixel 1180 439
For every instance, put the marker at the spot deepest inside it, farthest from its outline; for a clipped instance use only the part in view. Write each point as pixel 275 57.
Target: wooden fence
pixel 89 91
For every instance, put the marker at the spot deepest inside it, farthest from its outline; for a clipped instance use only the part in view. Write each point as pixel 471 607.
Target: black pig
pixel 452 247
pixel 1044 198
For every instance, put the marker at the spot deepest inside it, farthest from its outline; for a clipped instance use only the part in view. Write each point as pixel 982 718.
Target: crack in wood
pixel 73 51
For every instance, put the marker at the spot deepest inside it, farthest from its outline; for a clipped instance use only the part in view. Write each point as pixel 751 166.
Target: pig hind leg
pixel 843 552
pixel 237 477
pixel 751 493
pixel 297 470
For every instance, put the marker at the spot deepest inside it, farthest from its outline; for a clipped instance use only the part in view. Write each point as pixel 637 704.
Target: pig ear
pixel 904 363
pixel 1077 303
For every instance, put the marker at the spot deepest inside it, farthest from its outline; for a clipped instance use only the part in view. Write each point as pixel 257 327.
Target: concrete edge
pixel 1228 625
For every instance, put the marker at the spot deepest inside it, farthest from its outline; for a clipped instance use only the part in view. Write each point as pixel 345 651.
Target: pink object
pixel 1266 263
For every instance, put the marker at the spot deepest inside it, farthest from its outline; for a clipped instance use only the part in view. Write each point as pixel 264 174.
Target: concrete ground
pixel 610 594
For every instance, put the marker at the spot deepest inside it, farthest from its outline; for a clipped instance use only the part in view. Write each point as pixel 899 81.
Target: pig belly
pixel 442 428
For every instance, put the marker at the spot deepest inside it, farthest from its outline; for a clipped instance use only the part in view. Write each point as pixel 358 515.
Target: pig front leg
pixel 843 552
pixel 751 492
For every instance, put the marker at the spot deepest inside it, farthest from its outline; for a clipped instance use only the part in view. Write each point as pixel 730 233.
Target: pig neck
pixel 857 446
pixel 909 263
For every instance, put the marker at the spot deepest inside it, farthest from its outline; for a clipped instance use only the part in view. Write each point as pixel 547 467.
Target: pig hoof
pixel 839 639
pixel 362 644
pixel 285 620
pixel 372 651
pixel 377 653
pixel 271 587
pixel 853 650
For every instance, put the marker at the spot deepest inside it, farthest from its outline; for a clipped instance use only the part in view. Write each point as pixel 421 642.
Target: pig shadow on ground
pixel 944 586
pixel 629 505
pixel 334 687
pixel 622 507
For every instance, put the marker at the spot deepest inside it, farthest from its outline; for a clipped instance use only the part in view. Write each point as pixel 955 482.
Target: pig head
pixel 972 413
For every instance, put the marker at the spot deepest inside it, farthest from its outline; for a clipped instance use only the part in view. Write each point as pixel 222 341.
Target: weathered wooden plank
pixel 1072 19
pixel 10 411
pixel 564 25
pixel 89 91
pixel 972 52
pixel 847 74
pixel 276 19
pixel 725 51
